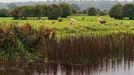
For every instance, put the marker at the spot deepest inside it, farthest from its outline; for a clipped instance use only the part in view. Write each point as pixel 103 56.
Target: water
pixel 120 66
pixel 109 55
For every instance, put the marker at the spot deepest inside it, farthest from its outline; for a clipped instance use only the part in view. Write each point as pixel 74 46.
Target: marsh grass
pixel 26 43
pixel 22 42
pixel 88 49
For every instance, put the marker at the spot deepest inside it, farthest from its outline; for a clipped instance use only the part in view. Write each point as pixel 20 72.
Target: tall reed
pixel 22 42
pixel 88 49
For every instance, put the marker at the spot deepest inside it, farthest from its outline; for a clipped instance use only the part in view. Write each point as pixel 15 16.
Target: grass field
pixel 88 25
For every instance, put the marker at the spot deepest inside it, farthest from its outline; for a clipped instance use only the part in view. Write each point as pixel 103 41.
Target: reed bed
pixel 89 49
pixel 22 43
pixel 40 51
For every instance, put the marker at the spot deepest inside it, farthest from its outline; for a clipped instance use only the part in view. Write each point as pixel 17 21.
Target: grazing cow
pixel 53 22
pixel 72 21
pixel 60 20
pixel 46 20
pixel 102 21
pixel 83 18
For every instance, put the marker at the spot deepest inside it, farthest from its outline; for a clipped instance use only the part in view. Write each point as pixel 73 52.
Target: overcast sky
pixel 25 0
pixel 19 0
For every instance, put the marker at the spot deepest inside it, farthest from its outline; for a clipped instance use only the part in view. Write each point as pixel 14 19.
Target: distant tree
pixel 54 11
pixel 43 10
pixel 37 11
pixel 92 11
pixel 74 11
pixel 84 11
pixel 102 12
pixel 128 10
pixel 66 10
pixel 24 12
pixel 16 13
pixel 75 8
pixel 4 13
pixel 11 6
pixel 116 11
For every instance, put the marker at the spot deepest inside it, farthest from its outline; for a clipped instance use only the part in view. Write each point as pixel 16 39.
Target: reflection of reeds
pixel 86 49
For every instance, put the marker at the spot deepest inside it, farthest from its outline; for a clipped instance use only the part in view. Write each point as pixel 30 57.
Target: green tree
pixel 11 6
pixel 128 10
pixel 54 11
pixel 66 10
pixel 84 11
pixel 4 13
pixel 16 13
pixel 75 8
pixel 116 11
pixel 92 11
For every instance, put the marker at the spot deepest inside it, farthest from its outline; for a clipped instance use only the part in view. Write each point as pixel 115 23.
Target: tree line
pixel 120 11
pixel 53 11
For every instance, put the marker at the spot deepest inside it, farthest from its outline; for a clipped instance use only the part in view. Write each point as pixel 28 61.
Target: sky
pixel 18 0
pixel 5 1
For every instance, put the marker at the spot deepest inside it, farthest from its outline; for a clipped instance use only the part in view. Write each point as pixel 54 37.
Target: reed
pixel 88 49
pixel 26 43
pixel 22 42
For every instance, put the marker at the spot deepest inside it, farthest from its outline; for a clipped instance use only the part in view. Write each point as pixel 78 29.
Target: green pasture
pixel 90 24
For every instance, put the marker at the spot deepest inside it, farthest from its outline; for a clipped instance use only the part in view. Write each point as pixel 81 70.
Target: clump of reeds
pixel 22 42
pixel 47 33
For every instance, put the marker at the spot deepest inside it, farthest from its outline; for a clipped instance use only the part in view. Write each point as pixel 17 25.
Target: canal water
pixel 120 66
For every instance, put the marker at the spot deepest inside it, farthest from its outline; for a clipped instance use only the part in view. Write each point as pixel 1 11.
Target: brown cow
pixel 102 21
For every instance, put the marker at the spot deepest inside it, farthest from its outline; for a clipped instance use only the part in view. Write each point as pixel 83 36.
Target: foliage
pixel 116 11
pixel 4 13
pixel 84 11
pixel 102 12
pixel 75 8
pixel 53 11
pixel 128 10
pixel 66 10
pixel 11 6
pixel 119 11
pixel 92 11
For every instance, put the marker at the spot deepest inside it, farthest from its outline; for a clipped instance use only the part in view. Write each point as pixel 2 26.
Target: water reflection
pixel 109 55
pixel 120 66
